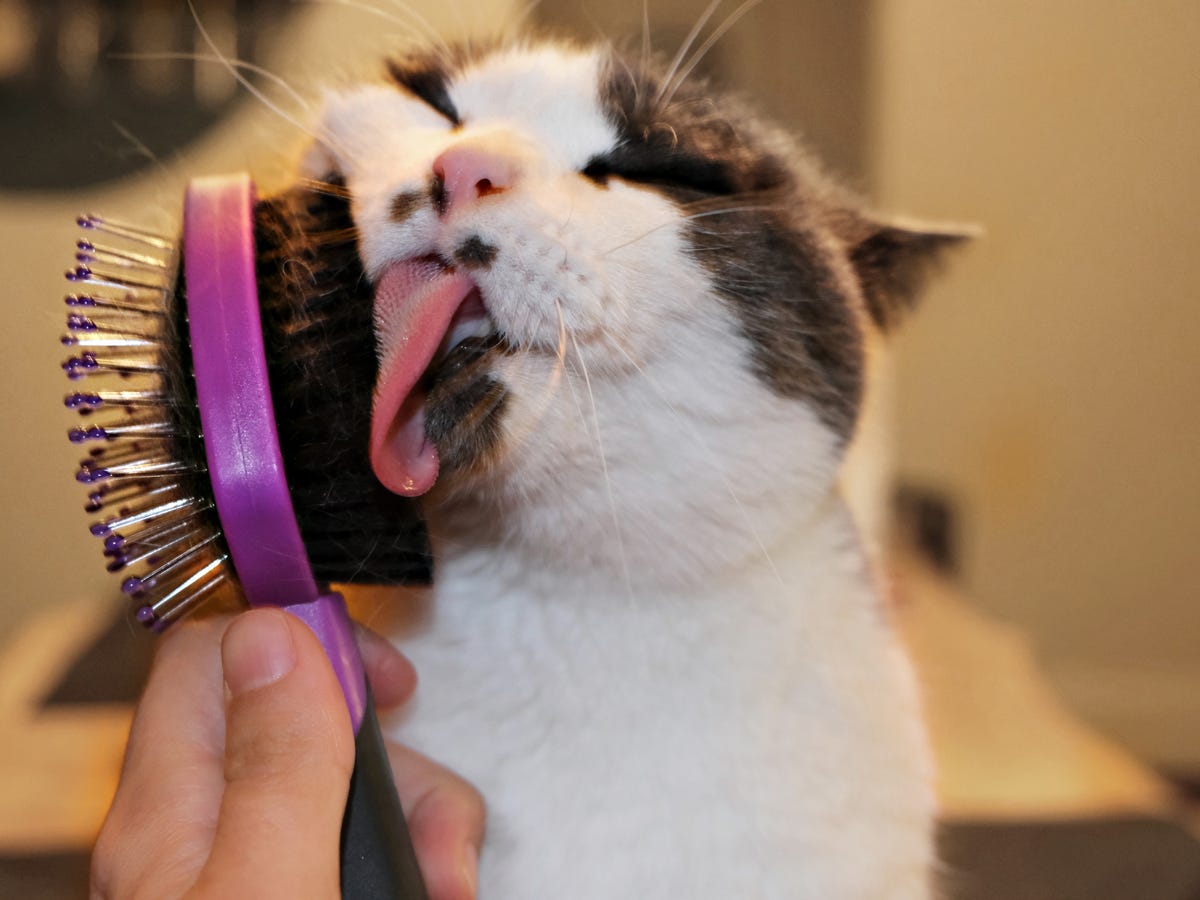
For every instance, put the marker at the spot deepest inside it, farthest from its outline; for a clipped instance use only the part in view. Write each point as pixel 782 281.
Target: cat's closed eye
pixel 427 83
pixel 669 169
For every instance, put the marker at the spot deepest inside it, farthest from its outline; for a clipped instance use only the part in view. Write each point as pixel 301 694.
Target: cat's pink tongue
pixel 415 302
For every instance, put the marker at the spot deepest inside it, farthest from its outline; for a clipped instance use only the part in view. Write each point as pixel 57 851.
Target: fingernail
pixel 257 650
pixel 470 870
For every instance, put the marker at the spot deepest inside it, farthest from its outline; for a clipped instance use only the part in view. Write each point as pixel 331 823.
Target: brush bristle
pixel 127 328
pixel 145 467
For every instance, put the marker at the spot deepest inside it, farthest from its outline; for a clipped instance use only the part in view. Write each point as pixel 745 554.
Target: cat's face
pixel 592 280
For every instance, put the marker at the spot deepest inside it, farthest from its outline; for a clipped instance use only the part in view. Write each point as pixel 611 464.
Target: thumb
pixel 289 751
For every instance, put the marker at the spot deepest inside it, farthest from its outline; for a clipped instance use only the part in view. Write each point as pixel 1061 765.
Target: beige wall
pixel 1051 383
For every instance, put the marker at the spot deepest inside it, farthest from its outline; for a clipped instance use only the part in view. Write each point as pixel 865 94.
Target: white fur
pixel 653 641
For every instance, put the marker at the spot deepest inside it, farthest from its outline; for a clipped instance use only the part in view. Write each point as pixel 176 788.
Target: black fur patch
pixel 693 146
pixel 475 253
pixel 760 235
pixel 428 79
pixel 405 204
pixel 806 340
pixel 464 404
pixel 437 194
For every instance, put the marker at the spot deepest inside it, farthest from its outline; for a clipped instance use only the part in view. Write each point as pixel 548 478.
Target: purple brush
pixel 188 472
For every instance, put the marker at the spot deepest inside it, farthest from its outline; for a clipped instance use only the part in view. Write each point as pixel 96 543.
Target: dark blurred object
pixel 50 876
pixel 925 521
pixel 92 90
pixel 110 669
pixel 1117 859
pixel 1121 859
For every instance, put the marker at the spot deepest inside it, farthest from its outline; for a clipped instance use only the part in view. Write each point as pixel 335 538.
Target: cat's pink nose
pixel 466 172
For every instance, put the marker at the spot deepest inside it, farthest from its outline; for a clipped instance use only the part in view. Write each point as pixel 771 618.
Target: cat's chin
pixel 465 402
pixel 434 402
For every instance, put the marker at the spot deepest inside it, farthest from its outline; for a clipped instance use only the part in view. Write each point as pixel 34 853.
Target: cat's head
pixel 598 285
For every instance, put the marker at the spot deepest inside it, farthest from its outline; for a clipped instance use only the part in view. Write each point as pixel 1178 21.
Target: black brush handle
pixel 377 858
pixel 378 861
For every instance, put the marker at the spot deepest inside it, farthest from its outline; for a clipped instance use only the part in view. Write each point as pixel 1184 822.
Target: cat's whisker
pixel 646 48
pixel 554 381
pixel 329 189
pixel 541 403
pixel 684 47
pixel 688 218
pixel 683 73
pixel 522 16
pixel 414 22
pixel 325 140
pixel 140 146
pixel 341 236
pixel 612 500
pixel 703 443
pixel 241 64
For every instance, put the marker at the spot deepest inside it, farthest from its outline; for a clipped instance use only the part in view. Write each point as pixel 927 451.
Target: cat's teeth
pixel 474 327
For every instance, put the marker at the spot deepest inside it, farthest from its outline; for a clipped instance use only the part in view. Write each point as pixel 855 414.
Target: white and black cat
pixel 620 328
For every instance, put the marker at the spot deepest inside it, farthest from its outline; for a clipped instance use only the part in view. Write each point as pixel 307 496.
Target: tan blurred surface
pixel 1049 385
pixel 1007 747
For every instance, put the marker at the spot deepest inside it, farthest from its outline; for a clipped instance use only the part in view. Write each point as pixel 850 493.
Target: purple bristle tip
pixel 85 245
pixel 84 401
pixel 79 273
pixel 77 322
pixel 79 300
pixel 113 543
pixel 145 615
pixel 135 585
pixel 100 529
pixel 87 475
pixel 94 433
pixel 78 366
pixel 86 221
pixel 84 257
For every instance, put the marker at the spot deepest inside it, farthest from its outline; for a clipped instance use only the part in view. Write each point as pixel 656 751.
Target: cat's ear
pixel 892 260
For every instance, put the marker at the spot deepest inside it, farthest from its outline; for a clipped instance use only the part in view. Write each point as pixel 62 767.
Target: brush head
pixel 146 468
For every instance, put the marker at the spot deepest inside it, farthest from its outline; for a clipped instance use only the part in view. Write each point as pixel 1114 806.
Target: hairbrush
pixel 228 442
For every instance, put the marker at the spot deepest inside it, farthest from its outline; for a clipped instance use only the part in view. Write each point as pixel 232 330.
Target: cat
pixel 620 325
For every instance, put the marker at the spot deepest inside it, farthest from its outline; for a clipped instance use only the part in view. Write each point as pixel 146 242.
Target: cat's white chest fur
pixel 756 736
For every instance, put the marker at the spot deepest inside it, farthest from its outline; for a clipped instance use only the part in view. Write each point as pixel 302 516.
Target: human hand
pixel 238 790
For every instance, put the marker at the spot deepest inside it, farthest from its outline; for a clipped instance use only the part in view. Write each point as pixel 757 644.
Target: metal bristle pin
pixel 150 523
pixel 187 490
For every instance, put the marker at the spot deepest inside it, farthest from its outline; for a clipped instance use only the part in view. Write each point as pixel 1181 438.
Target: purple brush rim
pixel 237 416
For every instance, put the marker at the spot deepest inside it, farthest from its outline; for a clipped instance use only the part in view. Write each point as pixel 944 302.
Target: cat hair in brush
pixel 653 640
pixel 187 475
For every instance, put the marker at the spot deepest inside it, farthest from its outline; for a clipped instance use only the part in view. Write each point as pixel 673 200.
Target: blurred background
pixel 1027 471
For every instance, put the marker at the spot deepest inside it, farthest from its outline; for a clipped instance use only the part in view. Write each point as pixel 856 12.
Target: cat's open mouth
pixel 427 315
